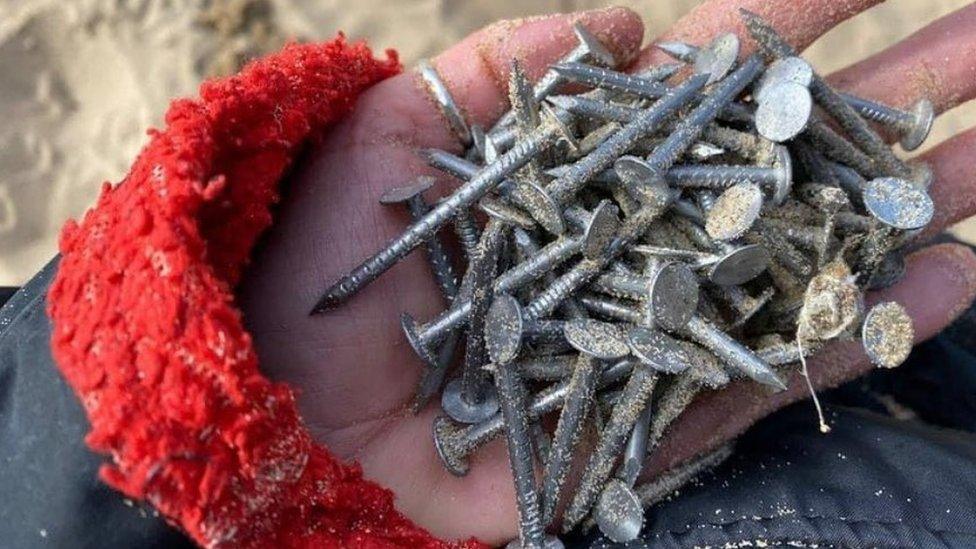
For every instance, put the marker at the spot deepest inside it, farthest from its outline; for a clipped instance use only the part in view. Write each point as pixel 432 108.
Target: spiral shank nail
pixel 610 309
pixel 871 112
pixel 717 177
pixel 692 126
pixel 835 147
pixel 621 285
pixel 446 162
pixel 447 321
pixel 585 169
pixel 550 298
pixel 629 406
pixel 511 397
pixel 845 115
pixel 877 112
pixel 538 265
pixel 582 385
pixel 606 78
pixel 438 258
pixel 599 110
pixel 482 272
pixel 467 232
pixel 465 196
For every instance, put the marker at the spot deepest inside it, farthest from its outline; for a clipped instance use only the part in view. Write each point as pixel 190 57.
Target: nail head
pixel 898 203
pixel 602 340
pixel 734 212
pixel 619 512
pixel 657 350
pixel 459 409
pixel 888 334
pixel 503 329
pixel 784 112
pixel 674 294
pixel 600 230
pixel 739 265
pixel 397 195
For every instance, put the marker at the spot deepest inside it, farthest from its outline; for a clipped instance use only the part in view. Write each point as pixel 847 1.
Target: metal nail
pixel 636 393
pixel 468 399
pixel 445 101
pixel 778 178
pixel 440 262
pixel 718 57
pixel 566 186
pixel 784 111
pixel 529 192
pixel 596 341
pixel 502 333
pixel 589 50
pixel 856 127
pixel 681 51
pixel 913 125
pixel 888 334
pixel 732 352
pixel 465 195
pixel 610 80
pixel 454 442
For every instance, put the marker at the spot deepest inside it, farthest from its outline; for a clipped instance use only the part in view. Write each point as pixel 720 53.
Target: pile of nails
pixel 653 237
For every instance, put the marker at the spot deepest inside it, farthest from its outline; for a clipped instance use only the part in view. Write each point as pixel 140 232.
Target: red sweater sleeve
pixel 146 332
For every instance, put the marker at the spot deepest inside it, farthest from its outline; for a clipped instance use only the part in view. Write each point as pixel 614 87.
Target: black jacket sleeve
pixel 49 479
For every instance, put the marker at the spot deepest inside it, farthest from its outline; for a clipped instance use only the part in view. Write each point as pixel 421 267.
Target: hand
pixel 352 367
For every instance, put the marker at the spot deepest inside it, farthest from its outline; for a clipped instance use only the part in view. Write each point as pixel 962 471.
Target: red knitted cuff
pixel 147 333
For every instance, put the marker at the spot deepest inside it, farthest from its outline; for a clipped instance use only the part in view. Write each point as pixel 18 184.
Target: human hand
pixel 355 372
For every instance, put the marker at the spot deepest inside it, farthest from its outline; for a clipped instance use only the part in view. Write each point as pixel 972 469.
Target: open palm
pixel 354 371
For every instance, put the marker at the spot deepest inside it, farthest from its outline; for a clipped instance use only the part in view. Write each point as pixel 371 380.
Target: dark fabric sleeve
pixel 6 292
pixel 52 496
pixel 874 481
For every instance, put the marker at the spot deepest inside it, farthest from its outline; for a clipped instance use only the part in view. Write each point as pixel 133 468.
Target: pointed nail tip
pixel 324 305
pixel 772 380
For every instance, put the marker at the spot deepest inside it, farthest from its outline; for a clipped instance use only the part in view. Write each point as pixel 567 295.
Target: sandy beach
pixel 84 79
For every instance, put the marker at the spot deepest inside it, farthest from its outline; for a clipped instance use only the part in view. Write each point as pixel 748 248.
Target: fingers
pixel 799 21
pixel 954 190
pixel 476 69
pixel 940 283
pixel 937 63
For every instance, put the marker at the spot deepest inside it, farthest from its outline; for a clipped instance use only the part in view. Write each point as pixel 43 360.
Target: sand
pixel 83 79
